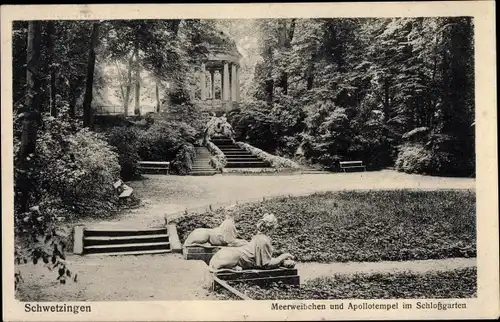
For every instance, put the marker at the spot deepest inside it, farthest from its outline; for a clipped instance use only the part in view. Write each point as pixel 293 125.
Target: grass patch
pixel 460 283
pixel 360 225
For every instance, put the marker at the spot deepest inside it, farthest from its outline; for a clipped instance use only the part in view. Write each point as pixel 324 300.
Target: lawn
pixel 460 283
pixel 360 225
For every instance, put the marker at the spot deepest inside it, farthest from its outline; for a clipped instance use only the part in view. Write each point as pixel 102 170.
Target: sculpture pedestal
pixel 204 253
pixel 261 277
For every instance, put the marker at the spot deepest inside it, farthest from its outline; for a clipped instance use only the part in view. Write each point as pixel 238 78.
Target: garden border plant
pixel 218 159
pixel 275 161
pixel 458 283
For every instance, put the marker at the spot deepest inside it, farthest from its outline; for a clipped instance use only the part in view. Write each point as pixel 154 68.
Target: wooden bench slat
pixel 344 165
pixel 126 193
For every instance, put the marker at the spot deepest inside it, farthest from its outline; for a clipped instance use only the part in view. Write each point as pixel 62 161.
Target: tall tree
pixel 87 102
pixel 52 67
pixel 137 80
pixel 31 113
pixel 158 104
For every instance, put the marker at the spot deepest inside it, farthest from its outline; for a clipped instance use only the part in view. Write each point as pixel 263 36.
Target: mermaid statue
pixel 256 254
pixel 223 235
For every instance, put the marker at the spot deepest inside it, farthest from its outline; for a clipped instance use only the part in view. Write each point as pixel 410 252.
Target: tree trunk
pixel 158 104
pixel 269 83
pixel 286 37
pixel 137 108
pixel 87 101
pixel 129 84
pixel 31 115
pixel 50 45
pixel 310 73
pixel 72 102
pixel 122 82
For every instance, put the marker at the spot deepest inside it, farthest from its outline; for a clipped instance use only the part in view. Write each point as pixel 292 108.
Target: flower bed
pixel 460 283
pixel 275 161
pixel 360 225
pixel 218 159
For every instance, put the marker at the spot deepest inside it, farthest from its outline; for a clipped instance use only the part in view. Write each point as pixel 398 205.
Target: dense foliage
pixel 459 283
pixel 67 157
pixel 360 226
pixel 350 89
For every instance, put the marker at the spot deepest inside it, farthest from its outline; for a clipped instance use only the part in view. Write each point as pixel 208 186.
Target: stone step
pixel 205 173
pixel 115 240
pixel 116 248
pixel 221 141
pixel 226 146
pixel 243 160
pixel 115 232
pixel 252 164
pixel 143 252
pixel 241 156
pixel 237 153
pixel 230 148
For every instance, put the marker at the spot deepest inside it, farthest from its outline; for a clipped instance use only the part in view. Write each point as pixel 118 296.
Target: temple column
pixel 225 86
pixel 237 85
pixel 212 84
pixel 203 85
pixel 234 86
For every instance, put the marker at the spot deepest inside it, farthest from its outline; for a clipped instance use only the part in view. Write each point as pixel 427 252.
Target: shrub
pixel 163 139
pixel 76 170
pixel 183 162
pixel 413 158
pixel 125 141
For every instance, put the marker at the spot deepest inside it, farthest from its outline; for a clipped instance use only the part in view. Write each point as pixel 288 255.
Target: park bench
pixel 121 188
pixel 154 165
pixel 345 165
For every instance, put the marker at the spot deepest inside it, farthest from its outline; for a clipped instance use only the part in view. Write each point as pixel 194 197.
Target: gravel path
pixel 164 195
pixel 119 278
pixel 314 270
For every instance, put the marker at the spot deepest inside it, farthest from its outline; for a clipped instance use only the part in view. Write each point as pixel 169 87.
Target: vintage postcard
pixel 257 162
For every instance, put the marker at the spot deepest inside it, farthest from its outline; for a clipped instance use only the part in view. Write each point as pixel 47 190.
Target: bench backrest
pixel 351 162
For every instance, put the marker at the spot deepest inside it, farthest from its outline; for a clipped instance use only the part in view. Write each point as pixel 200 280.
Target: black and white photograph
pixel 240 159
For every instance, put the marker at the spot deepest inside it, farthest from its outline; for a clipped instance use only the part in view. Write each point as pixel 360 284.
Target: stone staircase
pixel 107 241
pixel 238 157
pixel 201 165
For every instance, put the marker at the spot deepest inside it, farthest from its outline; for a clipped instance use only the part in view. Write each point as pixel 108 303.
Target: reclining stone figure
pixel 223 235
pixel 257 254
